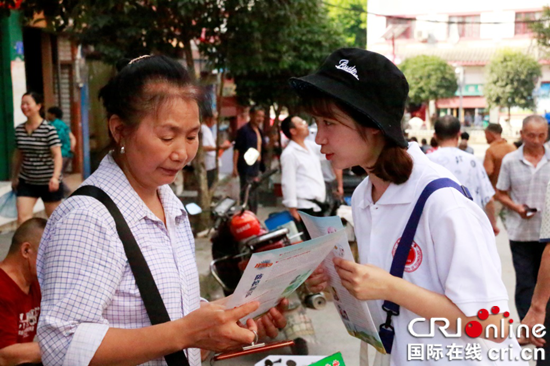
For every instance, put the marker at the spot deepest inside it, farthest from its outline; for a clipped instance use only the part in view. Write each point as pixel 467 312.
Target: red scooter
pixel 238 234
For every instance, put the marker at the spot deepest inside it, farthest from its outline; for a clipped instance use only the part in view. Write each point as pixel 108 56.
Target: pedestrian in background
pixel 538 312
pixel 521 188
pixel 92 309
pixel 498 148
pixel 424 147
pixel 452 269
pixel 433 146
pixel 68 140
pixel 249 136
pixel 37 160
pixel 301 175
pixel 464 137
pixel 466 168
pixel 209 120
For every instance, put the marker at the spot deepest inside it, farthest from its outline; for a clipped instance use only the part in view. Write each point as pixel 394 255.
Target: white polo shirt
pixel 453 254
pixel 302 178
pixel 468 170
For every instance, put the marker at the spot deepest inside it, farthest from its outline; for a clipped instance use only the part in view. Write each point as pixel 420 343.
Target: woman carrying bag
pixel 450 268
pixel 117 260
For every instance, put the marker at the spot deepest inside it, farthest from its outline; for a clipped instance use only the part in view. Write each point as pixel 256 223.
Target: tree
pixel 350 16
pixel 541 28
pixel 429 77
pixel 510 80
pixel 267 42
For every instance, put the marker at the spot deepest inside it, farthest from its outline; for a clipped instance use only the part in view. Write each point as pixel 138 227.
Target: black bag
pixel 144 280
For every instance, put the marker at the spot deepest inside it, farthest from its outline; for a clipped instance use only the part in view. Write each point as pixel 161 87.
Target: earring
pixel 122 150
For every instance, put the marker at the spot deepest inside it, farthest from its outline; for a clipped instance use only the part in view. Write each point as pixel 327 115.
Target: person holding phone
pixel 452 269
pixel 521 188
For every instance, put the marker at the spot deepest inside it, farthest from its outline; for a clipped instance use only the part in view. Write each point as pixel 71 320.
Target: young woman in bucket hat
pixel 450 268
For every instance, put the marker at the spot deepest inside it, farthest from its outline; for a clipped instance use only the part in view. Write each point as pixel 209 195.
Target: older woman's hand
pixel 274 320
pixel 318 280
pixel 212 327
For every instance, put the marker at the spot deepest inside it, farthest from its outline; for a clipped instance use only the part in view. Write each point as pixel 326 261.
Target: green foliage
pixel 350 16
pixel 429 77
pixel 510 80
pixel 541 29
pixel 119 29
pixel 266 42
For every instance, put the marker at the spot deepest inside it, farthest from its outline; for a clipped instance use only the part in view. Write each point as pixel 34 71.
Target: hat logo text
pixel 343 65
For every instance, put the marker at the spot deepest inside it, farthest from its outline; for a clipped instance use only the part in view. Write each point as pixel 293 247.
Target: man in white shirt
pixel 467 169
pixel 209 145
pixel 302 178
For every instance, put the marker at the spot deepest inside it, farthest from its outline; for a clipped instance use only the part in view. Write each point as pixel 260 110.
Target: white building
pixel 400 29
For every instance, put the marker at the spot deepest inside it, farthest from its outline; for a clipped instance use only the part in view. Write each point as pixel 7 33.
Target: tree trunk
pixel 188 52
pixel 198 163
pixel 219 110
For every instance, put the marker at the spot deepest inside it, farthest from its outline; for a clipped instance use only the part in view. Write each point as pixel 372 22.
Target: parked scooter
pixel 238 234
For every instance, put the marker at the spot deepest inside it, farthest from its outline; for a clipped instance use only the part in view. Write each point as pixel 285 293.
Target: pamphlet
pixel 354 313
pixel 275 274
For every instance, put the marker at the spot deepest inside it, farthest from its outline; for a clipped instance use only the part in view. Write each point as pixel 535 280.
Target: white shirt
pixel 525 184
pixel 208 140
pixel 453 254
pixel 86 282
pixel 302 178
pixel 468 170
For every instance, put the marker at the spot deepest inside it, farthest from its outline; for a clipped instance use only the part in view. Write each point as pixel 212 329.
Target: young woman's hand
pixel 212 327
pixel 364 281
pixel 318 280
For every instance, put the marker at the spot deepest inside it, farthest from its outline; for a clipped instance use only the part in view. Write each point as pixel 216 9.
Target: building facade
pixel 466 34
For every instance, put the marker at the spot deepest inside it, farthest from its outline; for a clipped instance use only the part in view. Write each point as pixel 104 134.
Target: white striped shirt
pixel 86 281
pixel 37 166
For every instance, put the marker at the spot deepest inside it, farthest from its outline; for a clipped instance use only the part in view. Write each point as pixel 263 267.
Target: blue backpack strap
pixel 387 331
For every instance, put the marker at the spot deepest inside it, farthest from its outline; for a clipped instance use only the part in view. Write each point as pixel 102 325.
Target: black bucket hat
pixel 365 81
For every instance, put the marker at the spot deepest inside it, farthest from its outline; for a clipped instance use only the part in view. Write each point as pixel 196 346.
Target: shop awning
pixel 467 102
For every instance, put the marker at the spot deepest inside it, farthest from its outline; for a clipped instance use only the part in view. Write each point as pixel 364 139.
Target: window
pixel 523 21
pixel 467 26
pixel 407 32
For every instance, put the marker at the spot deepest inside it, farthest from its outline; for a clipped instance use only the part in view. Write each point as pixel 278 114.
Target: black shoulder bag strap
pixel 387 332
pixel 144 279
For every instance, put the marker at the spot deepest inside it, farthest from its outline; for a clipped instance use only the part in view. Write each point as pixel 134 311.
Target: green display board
pixel 332 360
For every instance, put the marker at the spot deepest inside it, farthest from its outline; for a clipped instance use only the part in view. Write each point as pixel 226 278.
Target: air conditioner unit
pixel 421 35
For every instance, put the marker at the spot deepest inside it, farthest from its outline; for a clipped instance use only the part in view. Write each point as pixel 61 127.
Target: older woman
pixel 92 311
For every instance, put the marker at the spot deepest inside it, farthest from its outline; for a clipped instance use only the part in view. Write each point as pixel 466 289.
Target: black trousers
pixel 526 256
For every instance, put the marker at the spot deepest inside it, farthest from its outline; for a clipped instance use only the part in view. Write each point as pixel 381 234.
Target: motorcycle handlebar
pixel 262 178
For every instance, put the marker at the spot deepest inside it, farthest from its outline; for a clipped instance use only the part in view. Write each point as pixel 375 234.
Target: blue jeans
pixel 526 256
